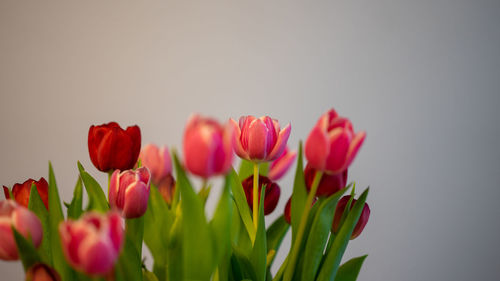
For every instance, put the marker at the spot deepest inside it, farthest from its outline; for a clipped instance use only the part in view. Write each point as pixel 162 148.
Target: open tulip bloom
pixel 150 199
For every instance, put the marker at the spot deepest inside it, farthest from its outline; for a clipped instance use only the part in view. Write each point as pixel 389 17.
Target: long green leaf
pixel 241 202
pixel 36 205
pixel 329 268
pixel 349 270
pixel 241 266
pixel 221 224
pixel 318 236
pixel 127 266
pixel 299 195
pixel 275 234
pixel 97 199
pixel 26 250
pixel 75 208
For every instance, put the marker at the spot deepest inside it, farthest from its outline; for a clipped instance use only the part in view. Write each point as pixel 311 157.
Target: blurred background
pixel 421 77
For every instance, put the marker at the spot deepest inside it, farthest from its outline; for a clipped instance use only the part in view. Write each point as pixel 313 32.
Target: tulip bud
pixel 328 185
pixel 42 272
pixel 157 160
pixel 288 206
pixel 208 147
pixel 332 144
pixel 280 166
pixel 22 191
pixel 167 188
pixel 271 196
pixel 111 147
pixel 129 192
pixel 92 243
pixel 259 139
pixel 339 211
pixel 24 221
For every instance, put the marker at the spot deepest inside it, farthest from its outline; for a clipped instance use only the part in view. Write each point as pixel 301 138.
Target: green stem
pixel 255 205
pixel 300 234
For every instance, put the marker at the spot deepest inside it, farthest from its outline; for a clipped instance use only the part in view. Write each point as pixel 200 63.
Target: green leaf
pixel 197 241
pixel 128 267
pixel 241 203
pixel 259 252
pixel 148 276
pixel 221 224
pixel 334 256
pixel 299 195
pixel 97 199
pixel 241 267
pixel 75 208
pixel 26 250
pixel 318 236
pixel 349 271
pixel 36 206
pixel 246 169
pixel 275 234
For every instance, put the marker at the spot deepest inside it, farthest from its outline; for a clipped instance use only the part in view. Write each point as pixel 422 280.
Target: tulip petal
pixel 97 257
pixel 281 165
pixel 339 145
pixel 136 200
pixel 8 248
pixel 238 148
pixel 317 148
pixel 257 140
pixel 113 188
pixel 116 231
pixel 28 224
pixel 198 150
pixel 280 145
pixel 354 147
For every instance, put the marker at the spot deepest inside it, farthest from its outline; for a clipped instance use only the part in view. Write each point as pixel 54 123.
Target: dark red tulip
pixel 329 184
pixel 271 197
pixel 288 206
pixel 21 191
pixel 111 147
pixel 339 211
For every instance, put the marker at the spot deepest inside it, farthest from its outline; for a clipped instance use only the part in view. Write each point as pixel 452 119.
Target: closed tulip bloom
pixel 42 272
pixel 259 139
pixel 332 144
pixel 208 146
pixel 111 147
pixel 339 211
pixel 328 185
pixel 129 192
pixel 24 221
pixel 271 196
pixel 21 191
pixel 92 243
pixel 157 160
pixel 280 166
pixel 167 188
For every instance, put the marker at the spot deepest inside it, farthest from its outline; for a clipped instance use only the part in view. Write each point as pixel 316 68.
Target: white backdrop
pixel 421 77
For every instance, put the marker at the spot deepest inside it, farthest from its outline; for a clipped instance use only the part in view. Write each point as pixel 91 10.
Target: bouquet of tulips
pixel 147 202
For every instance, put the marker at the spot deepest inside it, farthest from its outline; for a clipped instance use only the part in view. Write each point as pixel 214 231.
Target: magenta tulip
pixel 339 211
pixel 92 243
pixel 157 160
pixel 259 139
pixel 332 144
pixel 24 221
pixel 280 166
pixel 208 147
pixel 129 192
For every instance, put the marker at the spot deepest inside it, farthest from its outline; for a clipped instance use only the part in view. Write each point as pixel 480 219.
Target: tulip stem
pixel 255 205
pixel 294 253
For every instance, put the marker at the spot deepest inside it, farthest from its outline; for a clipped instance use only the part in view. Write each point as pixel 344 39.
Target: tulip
pixel 92 243
pixel 328 185
pixel 339 211
pixel 208 147
pixel 167 188
pixel 280 166
pixel 287 212
pixel 259 139
pixel 157 160
pixel 332 144
pixel 22 191
pixel 42 272
pixel 24 221
pixel 129 192
pixel 111 147
pixel 271 196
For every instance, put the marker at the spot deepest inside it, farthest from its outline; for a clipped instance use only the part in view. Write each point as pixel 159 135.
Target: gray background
pixel 421 77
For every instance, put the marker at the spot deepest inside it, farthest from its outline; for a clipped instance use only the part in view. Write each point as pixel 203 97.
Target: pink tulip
pixel 332 143
pixel 129 192
pixel 280 166
pixel 92 243
pixel 24 221
pixel 208 147
pixel 260 139
pixel 339 211
pixel 42 272
pixel 157 160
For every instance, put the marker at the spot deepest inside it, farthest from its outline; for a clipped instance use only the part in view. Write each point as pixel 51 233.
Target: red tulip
pixel 280 166
pixel 271 196
pixel 129 192
pixel 22 191
pixel 111 147
pixel 157 160
pixel 208 147
pixel 24 221
pixel 42 272
pixel 339 211
pixel 92 243
pixel 259 139
pixel 328 185
pixel 332 144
